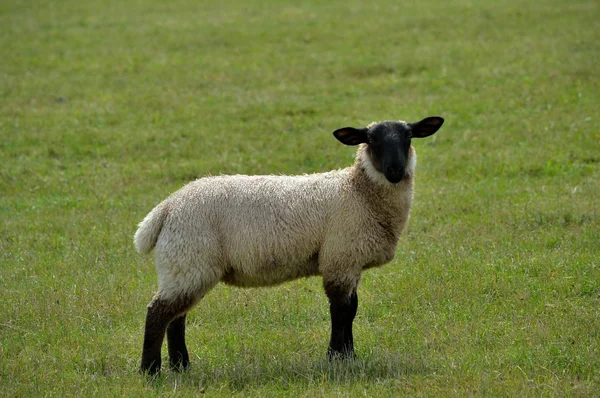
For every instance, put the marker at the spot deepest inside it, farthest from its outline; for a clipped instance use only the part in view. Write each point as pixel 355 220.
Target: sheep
pixel 252 231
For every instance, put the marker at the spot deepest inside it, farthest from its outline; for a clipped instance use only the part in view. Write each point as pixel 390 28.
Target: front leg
pixel 343 304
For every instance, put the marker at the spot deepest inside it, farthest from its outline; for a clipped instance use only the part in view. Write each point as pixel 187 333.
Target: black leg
pixel 342 306
pixel 350 319
pixel 160 314
pixel 178 354
pixel 156 325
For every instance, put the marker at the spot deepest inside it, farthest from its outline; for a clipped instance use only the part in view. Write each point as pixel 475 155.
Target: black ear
pixel 351 136
pixel 426 127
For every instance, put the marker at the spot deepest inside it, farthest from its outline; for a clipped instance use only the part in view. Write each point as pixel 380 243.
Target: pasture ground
pixel 108 106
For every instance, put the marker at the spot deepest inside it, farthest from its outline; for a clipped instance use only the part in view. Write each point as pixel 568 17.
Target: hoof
pixel 151 369
pixel 333 355
pixel 182 365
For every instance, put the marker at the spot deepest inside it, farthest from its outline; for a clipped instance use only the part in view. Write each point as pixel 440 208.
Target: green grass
pixel 108 106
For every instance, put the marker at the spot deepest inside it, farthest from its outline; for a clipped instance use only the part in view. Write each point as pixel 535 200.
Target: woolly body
pixel 264 230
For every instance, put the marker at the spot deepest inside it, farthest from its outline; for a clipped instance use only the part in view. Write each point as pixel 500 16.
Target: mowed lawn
pixel 106 107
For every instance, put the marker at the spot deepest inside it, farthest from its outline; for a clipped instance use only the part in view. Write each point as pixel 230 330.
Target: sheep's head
pixel 388 143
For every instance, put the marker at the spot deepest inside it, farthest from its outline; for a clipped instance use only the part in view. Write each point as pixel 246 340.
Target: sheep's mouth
pixel 395 175
pixel 394 179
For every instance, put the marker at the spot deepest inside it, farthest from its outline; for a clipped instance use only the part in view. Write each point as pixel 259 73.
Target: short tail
pixel 149 229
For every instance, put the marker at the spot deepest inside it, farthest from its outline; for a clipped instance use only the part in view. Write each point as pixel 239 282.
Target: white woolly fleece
pixel 264 230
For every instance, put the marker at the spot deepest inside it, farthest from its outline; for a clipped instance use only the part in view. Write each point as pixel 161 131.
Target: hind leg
pixel 161 312
pixel 179 358
pixel 167 313
pixel 188 267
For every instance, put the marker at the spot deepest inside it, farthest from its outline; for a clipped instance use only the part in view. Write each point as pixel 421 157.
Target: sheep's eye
pixel 373 140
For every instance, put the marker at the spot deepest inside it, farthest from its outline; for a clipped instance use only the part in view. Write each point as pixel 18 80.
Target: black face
pixel 389 143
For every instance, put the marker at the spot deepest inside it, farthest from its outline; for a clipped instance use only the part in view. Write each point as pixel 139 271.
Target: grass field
pixel 106 107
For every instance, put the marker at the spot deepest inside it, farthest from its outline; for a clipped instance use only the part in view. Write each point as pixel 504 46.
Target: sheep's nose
pixel 394 174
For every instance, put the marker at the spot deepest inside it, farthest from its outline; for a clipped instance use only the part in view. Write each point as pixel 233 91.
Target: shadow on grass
pixel 256 372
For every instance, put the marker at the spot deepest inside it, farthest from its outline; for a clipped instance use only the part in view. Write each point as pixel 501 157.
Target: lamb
pixel 252 231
